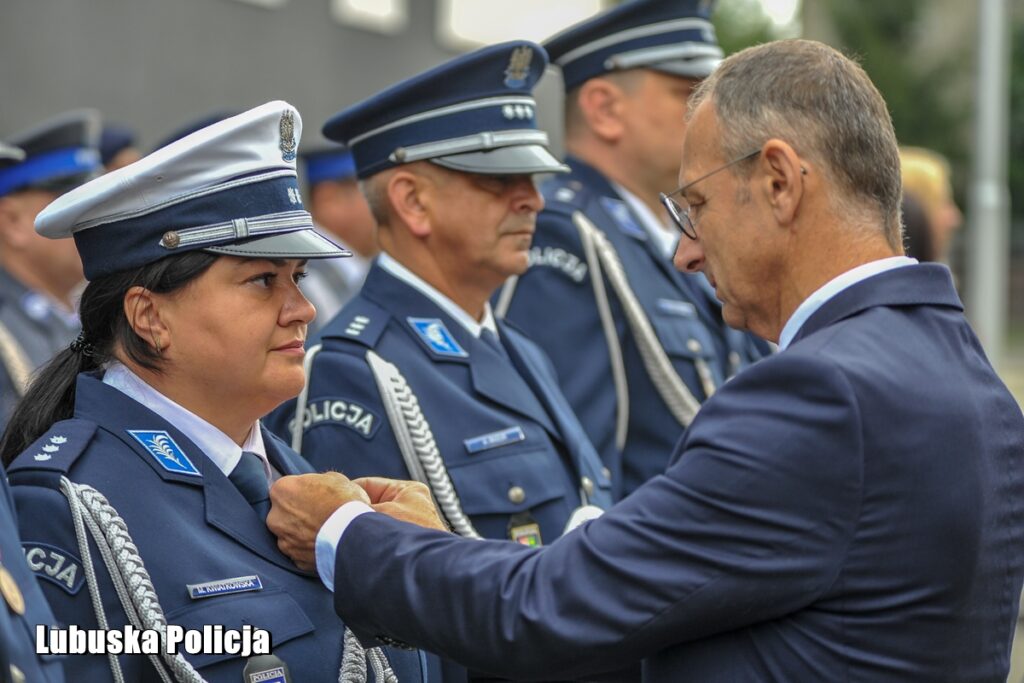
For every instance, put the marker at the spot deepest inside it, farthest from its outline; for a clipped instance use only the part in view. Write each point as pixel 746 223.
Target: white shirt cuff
pixel 329 536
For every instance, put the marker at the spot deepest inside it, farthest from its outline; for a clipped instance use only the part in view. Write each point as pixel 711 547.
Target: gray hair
pixel 375 190
pixel 825 106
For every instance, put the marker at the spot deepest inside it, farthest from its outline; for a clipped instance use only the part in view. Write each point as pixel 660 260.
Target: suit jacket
pixel 189 529
pixel 554 304
pixel 851 509
pixel 509 440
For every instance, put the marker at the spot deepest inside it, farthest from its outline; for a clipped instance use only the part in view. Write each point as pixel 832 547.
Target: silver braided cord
pixel 416 442
pixel 354 662
pixel 611 337
pixel 673 391
pixel 303 399
pixel 127 570
pixel 505 295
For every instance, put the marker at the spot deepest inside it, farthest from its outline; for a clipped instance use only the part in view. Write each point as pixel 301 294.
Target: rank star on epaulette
pixel 518 66
pixel 288 144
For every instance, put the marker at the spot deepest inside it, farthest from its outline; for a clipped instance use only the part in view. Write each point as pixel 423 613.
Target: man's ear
pixel 784 179
pixel 411 198
pixel 601 103
pixel 142 309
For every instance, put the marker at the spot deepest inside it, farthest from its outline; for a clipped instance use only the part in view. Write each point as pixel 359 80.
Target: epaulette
pixel 55 451
pixel 564 196
pixel 361 321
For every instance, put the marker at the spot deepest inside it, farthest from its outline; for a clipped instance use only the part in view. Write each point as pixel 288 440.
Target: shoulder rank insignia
pixel 288 144
pixel 437 337
pixel 623 217
pixel 518 67
pixel 162 447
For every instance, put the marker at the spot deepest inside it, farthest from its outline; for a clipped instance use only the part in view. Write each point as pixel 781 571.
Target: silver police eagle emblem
pixel 518 67
pixel 288 144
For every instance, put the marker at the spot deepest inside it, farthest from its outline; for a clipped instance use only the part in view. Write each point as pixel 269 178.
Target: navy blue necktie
pixel 488 337
pixel 250 479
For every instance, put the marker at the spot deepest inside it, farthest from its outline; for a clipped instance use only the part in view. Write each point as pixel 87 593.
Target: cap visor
pixel 299 244
pixel 505 160
pixel 688 68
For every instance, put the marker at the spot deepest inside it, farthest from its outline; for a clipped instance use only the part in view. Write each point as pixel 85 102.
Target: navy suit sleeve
pixel 554 305
pixel 751 523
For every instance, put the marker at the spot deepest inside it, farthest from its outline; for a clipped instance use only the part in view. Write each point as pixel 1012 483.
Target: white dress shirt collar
pixel 833 287
pixel 217 445
pixel 658 230
pixel 388 263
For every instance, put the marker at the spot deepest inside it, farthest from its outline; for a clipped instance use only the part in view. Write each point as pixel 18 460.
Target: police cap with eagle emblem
pixel 672 36
pixel 475 113
pixel 229 188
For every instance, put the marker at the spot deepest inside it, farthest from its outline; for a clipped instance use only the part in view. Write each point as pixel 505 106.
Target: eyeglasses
pixel 681 212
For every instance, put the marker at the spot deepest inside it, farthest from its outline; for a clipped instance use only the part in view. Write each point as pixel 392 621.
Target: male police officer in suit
pixel 849 509
pixel 38 277
pixel 638 345
pixel 339 210
pixel 414 378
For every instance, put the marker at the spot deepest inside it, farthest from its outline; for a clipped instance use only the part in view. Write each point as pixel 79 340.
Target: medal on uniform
pixel 523 529
pixel 12 594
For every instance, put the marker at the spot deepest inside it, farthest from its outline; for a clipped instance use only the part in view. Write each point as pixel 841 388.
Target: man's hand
pixel 301 504
pixel 407 501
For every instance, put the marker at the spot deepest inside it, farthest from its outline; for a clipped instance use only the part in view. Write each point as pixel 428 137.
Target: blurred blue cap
pixel 114 139
pixel 672 36
pixel 60 153
pixel 475 113
pixel 331 163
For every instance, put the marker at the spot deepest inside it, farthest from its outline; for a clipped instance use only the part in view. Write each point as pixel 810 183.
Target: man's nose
pixel 689 256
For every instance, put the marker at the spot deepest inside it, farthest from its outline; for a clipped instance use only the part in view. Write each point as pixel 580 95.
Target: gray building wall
pixel 157 64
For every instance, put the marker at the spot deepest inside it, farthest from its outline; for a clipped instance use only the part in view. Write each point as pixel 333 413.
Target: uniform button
pixel 170 240
pixel 694 346
pixel 607 473
pixel 516 494
pixel 588 485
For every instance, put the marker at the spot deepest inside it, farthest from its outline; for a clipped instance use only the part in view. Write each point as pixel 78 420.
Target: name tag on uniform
pixel 502 437
pixel 239 584
pixel 676 307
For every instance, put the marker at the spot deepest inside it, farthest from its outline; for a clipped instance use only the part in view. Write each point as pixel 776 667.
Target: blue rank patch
pixel 436 336
pixel 502 437
pixel 623 217
pixel 55 565
pixel 239 584
pixel 169 454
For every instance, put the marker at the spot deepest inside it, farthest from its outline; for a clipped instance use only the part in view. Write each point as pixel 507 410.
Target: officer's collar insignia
pixel 162 447
pixel 288 144
pixel 437 337
pixel 623 217
pixel 239 584
pixel 518 67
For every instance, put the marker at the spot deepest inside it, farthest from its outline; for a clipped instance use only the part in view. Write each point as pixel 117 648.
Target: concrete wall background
pixel 157 64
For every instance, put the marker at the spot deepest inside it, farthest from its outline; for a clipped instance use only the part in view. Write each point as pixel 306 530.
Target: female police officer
pixel 141 442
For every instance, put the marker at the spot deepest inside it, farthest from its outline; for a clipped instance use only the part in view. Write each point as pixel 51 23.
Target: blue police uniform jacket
pixel 189 529
pixel 509 440
pixel 18 631
pixel 554 303
pixel 850 509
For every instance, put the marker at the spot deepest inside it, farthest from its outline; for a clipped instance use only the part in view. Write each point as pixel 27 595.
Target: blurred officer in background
pixel 415 378
pixel 40 278
pixel 926 177
pixel 117 147
pixel 141 440
pixel 637 345
pixel 24 603
pixel 339 210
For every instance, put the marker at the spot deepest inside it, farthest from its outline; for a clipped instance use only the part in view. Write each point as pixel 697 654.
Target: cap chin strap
pixel 480 142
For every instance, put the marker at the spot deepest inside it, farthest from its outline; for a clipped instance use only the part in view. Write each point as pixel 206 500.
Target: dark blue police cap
pixel 229 189
pixel 59 154
pixel 330 163
pixel 114 139
pixel 475 113
pixel 672 36
pixel 10 155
